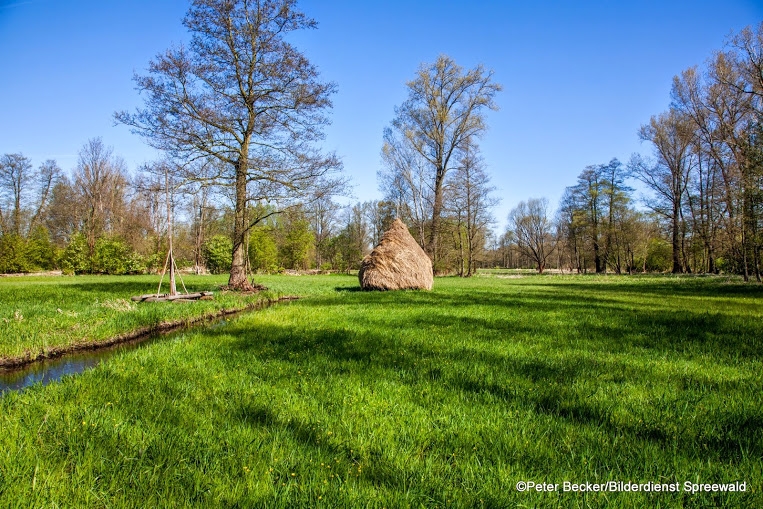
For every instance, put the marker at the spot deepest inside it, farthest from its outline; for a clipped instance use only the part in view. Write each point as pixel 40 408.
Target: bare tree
pixel 380 215
pixel 100 180
pixel 404 180
pixel 444 109
pixel 323 214
pixel 471 205
pixel 15 172
pixel 533 230
pixel 24 192
pixel 243 95
pixel 672 135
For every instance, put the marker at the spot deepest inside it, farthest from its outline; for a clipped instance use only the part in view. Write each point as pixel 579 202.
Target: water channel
pixel 52 370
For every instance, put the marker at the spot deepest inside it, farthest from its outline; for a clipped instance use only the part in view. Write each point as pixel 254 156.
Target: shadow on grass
pixel 348 289
pixel 378 470
pixel 540 381
pixel 604 324
pixel 561 350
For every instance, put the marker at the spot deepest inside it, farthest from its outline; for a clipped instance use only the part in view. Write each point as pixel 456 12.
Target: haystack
pixel 397 263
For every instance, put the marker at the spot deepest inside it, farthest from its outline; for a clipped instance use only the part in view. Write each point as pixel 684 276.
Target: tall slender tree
pixel 471 205
pixel 445 108
pixel 671 135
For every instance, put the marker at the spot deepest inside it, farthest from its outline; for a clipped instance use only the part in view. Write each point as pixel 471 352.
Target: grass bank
pixel 43 316
pixel 414 399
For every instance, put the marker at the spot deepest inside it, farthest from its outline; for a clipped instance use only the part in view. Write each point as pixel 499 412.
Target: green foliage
pixel 346 252
pixel 13 254
pixel 263 251
pixel 297 242
pixel 114 256
pixel 74 258
pixel 40 251
pixel 155 261
pixel 659 257
pixel 217 254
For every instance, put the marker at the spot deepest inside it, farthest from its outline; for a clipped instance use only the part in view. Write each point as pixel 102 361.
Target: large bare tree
pixel 101 182
pixel 672 137
pixel 242 94
pixel 445 108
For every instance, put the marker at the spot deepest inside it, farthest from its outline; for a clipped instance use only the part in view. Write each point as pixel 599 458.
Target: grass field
pixel 409 399
pixel 39 314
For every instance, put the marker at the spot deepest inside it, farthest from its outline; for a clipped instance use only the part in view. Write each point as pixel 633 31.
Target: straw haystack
pixel 397 263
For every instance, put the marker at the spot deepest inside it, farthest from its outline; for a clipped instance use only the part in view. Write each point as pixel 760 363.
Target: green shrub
pixel 74 259
pixel 295 249
pixel 217 254
pixel 263 252
pixel 114 256
pixel 13 254
pixel 659 257
pixel 40 251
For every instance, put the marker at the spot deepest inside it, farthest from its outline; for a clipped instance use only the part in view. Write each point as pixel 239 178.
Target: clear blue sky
pixel 579 77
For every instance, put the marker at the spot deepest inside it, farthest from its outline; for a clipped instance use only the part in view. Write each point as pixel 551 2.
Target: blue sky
pixel 579 77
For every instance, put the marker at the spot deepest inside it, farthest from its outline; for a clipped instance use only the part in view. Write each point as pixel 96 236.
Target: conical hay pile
pixel 397 263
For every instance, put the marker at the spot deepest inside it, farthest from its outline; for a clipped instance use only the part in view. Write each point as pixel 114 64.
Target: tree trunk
pixel 238 280
pixel 597 257
pixel 676 244
pixel 436 212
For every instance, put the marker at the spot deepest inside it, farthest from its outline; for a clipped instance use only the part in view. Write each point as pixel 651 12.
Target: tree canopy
pixel 244 96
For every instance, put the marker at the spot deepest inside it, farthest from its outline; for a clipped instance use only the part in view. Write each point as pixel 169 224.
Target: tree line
pixel 704 178
pixel 99 218
pixel 238 115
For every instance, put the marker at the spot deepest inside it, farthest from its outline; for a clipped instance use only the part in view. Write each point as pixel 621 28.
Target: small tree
pixel 75 258
pixel 296 240
pixel 533 230
pixel 471 203
pixel 40 251
pixel 263 251
pixel 217 254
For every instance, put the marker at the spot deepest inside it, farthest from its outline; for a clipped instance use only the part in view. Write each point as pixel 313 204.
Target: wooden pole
pixel 173 288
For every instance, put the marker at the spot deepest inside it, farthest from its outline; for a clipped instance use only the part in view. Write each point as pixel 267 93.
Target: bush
pixel 40 251
pixel 74 259
pixel 114 256
pixel 263 252
pixel 13 254
pixel 217 253
pixel 659 257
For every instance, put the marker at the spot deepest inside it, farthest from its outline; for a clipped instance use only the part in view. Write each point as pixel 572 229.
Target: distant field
pixel 423 399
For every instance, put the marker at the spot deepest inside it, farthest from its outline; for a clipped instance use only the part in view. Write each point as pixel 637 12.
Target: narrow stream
pixel 52 370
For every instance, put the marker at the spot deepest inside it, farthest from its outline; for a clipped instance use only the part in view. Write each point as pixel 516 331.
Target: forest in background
pixel 702 212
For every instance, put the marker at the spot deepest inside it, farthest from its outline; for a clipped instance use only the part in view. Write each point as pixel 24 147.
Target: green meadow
pixel 38 314
pixel 353 399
